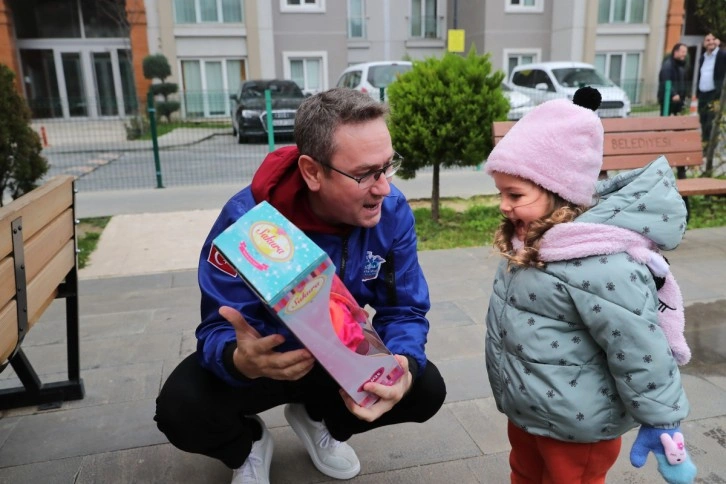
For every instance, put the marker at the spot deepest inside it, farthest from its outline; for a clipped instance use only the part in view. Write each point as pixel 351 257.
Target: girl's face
pixel 521 201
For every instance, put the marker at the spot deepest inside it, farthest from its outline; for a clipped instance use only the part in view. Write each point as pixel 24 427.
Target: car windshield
pixel 579 77
pixel 277 89
pixel 382 76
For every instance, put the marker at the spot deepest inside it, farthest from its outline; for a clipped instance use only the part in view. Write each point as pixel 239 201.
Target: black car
pixel 249 114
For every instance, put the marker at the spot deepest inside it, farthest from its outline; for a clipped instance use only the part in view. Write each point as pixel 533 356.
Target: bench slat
pixel 41 292
pixel 37 208
pixel 651 142
pixel 8 330
pixel 40 249
pixel 48 280
pixel 624 125
pixel 655 123
pixel 629 162
pixel 701 186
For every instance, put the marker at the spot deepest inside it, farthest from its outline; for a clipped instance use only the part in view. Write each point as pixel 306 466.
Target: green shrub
pixel 21 164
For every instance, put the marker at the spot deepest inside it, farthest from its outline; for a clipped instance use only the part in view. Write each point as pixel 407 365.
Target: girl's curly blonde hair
pixel 560 211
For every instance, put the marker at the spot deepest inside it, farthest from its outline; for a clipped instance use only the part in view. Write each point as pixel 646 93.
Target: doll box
pixel 293 276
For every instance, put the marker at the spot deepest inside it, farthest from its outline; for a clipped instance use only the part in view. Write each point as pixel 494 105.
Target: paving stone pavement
pixel 135 329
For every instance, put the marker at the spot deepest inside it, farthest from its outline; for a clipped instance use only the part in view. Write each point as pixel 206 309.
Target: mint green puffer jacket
pixel 574 351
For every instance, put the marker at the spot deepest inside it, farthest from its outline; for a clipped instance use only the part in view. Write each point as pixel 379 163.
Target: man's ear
pixel 312 172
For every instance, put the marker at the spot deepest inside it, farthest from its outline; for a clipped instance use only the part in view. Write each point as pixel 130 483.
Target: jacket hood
pixel 279 182
pixel 645 201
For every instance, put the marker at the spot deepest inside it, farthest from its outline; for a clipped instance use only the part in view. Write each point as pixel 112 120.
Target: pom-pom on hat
pixel 558 145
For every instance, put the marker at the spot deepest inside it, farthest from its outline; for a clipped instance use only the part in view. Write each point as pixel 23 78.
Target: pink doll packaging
pixel 297 280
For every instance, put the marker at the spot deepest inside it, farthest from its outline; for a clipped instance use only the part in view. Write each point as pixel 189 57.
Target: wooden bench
pixel 634 142
pixel 38 264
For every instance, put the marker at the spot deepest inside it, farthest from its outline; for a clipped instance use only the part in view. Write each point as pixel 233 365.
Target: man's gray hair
pixel 320 115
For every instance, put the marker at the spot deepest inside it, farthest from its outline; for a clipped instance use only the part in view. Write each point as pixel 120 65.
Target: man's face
pixel 709 42
pixel 359 149
pixel 681 53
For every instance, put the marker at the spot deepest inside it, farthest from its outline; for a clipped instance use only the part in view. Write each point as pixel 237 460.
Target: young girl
pixel 574 350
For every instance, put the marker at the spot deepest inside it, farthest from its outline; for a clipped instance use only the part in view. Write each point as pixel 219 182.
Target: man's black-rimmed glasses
pixel 370 178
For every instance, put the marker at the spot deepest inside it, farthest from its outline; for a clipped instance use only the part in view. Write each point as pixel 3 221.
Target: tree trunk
pixel 435 194
pixel 715 132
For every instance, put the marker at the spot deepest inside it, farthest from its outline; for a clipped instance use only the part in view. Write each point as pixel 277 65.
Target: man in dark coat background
pixel 674 70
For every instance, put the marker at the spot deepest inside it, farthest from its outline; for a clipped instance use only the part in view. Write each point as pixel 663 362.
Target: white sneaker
pixel 256 469
pixel 331 457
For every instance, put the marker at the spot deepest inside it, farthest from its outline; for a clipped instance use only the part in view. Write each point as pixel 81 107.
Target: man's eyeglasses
pixel 370 178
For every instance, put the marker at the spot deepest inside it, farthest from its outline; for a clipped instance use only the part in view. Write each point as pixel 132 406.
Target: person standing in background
pixel 674 70
pixel 711 72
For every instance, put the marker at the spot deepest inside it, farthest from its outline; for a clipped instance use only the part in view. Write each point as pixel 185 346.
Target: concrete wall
pixel 308 33
pixel 470 16
pixel 517 31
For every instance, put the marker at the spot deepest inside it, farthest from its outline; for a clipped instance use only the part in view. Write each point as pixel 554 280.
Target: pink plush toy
pixel 675 448
pixel 347 317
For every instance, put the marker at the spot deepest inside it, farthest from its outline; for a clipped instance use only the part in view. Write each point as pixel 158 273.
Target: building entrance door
pixel 77 79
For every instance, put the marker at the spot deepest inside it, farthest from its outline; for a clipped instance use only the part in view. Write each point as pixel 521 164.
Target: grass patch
pixel 707 212
pixel 644 108
pixel 462 222
pixel 88 232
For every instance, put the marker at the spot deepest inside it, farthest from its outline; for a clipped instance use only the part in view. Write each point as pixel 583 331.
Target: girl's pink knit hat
pixel 558 145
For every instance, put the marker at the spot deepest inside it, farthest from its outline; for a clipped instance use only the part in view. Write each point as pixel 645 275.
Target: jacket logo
pixel 372 266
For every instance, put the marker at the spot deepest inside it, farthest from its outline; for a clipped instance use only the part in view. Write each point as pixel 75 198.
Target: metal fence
pixel 112 153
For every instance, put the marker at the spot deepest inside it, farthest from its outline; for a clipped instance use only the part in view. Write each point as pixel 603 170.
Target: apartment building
pixel 83 57
pixel 624 39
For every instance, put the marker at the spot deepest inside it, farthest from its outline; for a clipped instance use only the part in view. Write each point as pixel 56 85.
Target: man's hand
pixel 676 97
pixel 388 395
pixel 255 356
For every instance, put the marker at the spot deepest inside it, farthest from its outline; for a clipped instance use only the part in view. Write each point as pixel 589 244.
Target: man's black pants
pixel 200 413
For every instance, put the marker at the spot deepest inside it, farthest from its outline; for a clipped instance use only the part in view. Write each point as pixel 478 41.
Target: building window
pixel 207 11
pixel 356 19
pixel 302 6
pixel 69 19
pixel 513 58
pixel 424 23
pixel 524 6
pixel 208 83
pixel 623 68
pixel 309 70
pixel 622 11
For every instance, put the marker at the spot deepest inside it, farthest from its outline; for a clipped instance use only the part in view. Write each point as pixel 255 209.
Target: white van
pixel 550 80
pixel 370 77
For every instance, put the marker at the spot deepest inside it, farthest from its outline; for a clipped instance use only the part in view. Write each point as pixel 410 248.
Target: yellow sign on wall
pixel 456 40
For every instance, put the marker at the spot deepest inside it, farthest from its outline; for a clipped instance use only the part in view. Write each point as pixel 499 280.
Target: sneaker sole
pixel 269 445
pixel 310 447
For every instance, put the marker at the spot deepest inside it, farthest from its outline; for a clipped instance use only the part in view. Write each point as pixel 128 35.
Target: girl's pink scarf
pixel 576 240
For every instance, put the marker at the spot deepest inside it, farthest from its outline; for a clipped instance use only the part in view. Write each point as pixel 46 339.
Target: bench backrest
pixel 47 235
pixel 634 142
